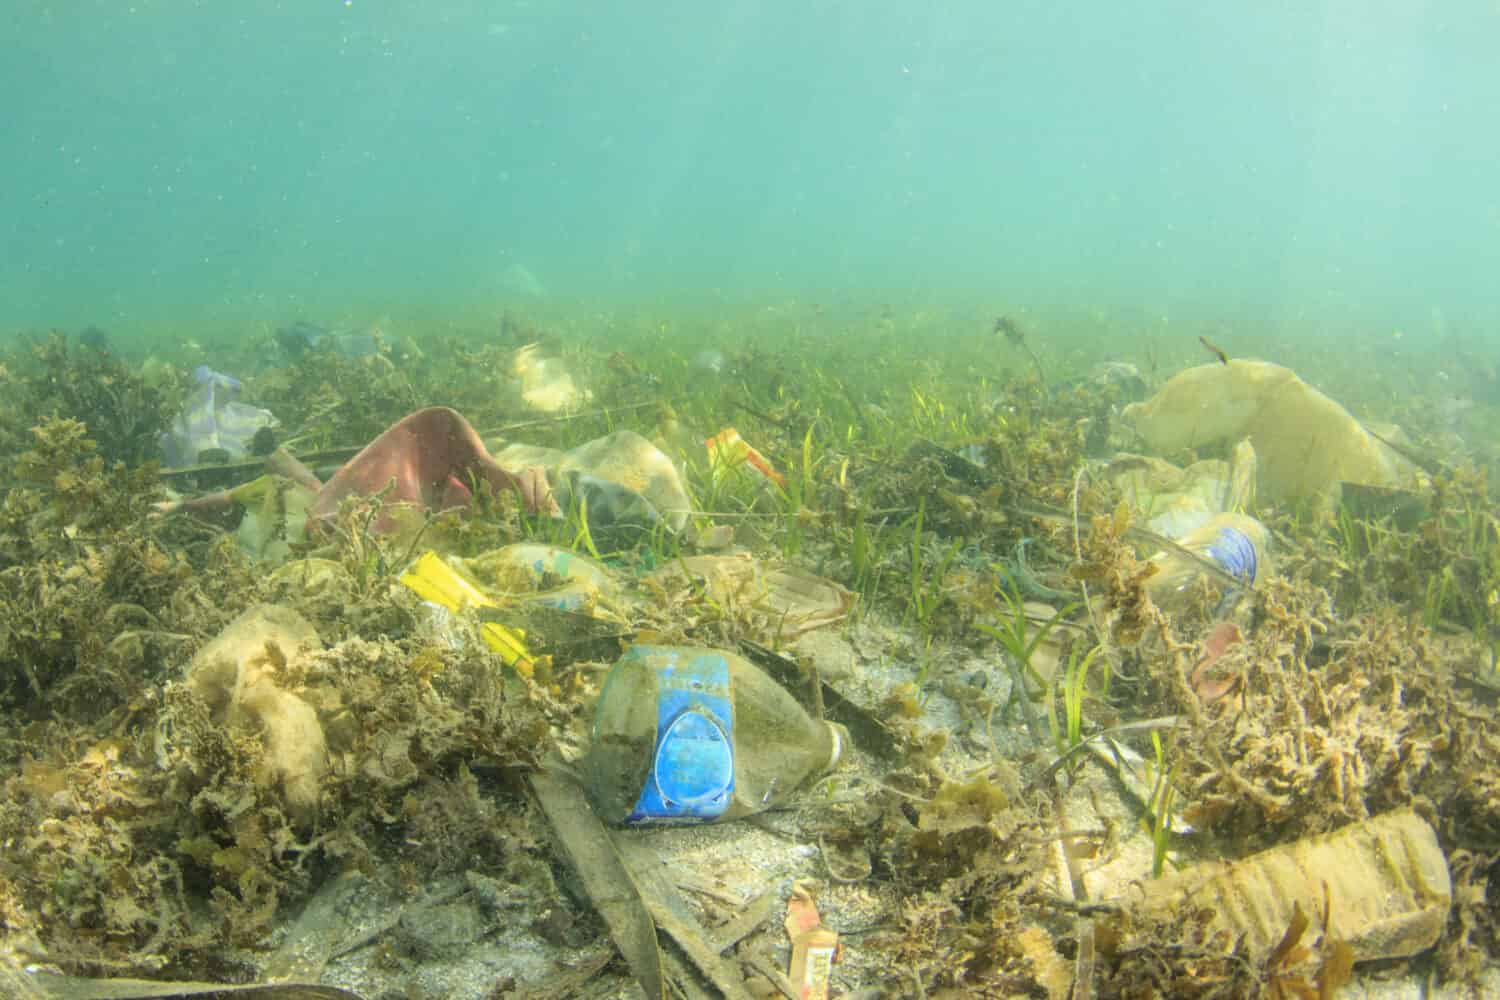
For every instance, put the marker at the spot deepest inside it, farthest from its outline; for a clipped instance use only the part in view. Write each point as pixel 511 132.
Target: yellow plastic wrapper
pixel 432 579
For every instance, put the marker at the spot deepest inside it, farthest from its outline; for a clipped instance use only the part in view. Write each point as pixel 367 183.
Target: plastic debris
pixel 213 420
pixel 546 386
pixel 275 516
pixel 535 566
pixel 432 579
pixel 814 947
pixel 547 575
pixel 727 450
pixel 1237 544
pixel 1306 443
pixel 301 337
pixel 1382 882
pixel 530 631
pixel 426 462
pixel 690 735
pixel 433 455
pixel 646 486
pixel 872 734
pixel 618 516
pixel 788 601
pixel 1173 501
pixel 633 462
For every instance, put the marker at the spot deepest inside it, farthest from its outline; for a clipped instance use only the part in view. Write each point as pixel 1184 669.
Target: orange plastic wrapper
pixel 727 448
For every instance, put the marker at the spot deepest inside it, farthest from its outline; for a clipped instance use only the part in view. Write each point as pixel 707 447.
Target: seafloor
pixel 950 474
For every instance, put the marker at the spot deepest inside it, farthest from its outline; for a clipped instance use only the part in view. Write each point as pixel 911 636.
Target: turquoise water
pixel 1319 167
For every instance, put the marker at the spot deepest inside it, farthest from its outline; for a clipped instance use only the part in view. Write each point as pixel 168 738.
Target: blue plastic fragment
pixel 1235 553
pixel 692 773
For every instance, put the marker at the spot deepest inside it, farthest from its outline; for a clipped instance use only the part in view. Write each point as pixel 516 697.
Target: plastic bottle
pixel 691 735
pixel 1384 882
pixel 1236 543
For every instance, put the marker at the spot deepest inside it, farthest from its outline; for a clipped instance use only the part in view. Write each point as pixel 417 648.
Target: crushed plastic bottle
pixel 690 735
pixel 1383 883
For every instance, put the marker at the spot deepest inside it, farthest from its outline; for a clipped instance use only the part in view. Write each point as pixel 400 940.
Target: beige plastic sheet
pixel 1305 443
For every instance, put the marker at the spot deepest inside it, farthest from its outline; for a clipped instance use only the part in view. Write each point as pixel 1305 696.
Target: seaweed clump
pixel 169 834
pixel 971 860
pixel 329 400
pixel 125 413
pixel 81 584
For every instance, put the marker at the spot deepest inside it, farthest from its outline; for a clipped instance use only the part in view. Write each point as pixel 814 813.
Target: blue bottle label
pixel 1235 553
pixel 692 772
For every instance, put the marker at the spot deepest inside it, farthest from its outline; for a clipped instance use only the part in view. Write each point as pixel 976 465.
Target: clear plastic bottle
pixel 1236 543
pixel 692 735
